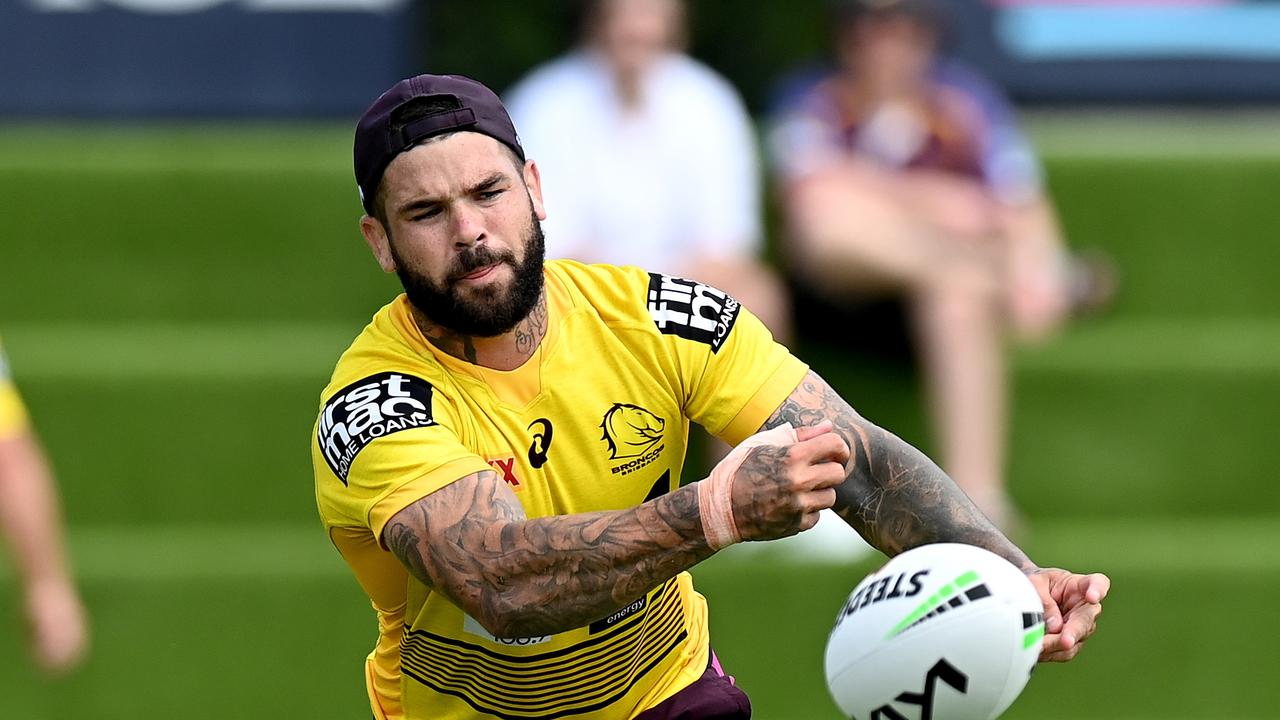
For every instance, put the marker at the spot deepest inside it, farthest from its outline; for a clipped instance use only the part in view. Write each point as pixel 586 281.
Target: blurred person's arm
pixel 1039 293
pixel 32 526
pixel 1038 296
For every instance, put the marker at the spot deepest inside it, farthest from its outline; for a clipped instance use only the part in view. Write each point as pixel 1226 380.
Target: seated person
pixel 904 174
pixel 650 156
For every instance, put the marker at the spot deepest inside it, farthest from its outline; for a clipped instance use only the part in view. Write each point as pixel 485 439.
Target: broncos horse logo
pixel 630 430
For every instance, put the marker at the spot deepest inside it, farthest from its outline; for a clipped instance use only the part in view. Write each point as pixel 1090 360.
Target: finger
pixel 1061 655
pixel 817 500
pixel 808 520
pixel 1072 589
pixel 829 447
pixel 1052 617
pixel 818 475
pixel 804 432
pixel 1089 588
pixel 1058 643
pixel 1080 623
pixel 1043 583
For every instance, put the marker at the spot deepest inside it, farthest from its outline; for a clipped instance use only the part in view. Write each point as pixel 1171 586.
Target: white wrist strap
pixel 715 492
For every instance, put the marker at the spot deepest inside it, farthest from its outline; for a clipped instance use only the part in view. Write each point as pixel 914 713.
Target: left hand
pixel 1072 604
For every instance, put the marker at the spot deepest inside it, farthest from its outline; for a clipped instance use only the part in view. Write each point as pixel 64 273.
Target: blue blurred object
pixel 184 58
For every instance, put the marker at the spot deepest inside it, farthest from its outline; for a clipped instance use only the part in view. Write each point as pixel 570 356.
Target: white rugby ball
pixel 941 632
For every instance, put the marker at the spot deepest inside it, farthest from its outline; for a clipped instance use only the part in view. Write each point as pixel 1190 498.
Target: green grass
pixel 182 224
pixel 173 298
pixel 255 620
pixel 1171 643
pixel 213 647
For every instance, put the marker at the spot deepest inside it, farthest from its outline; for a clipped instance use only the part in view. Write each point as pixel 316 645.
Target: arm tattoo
pixel 894 495
pixel 522 577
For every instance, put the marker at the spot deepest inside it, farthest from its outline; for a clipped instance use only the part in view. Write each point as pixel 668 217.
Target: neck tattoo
pixel 524 337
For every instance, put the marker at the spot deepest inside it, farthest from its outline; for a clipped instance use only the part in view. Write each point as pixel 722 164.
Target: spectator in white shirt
pixel 689 203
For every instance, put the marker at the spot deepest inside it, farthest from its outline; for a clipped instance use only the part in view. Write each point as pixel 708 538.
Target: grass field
pixel 172 300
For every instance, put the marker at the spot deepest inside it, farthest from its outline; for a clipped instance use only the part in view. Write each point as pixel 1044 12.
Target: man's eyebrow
pixel 422 203
pixel 427 202
pixel 488 183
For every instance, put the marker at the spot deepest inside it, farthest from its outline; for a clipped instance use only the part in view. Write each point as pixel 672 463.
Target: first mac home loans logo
pixel 368 409
pixel 691 310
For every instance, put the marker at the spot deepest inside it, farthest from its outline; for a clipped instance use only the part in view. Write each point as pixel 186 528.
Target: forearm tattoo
pixel 524 577
pixel 894 496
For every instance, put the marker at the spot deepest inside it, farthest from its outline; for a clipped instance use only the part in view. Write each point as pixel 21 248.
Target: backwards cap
pixel 467 105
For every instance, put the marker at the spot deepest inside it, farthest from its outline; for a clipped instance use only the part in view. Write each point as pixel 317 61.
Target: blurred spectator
pixel 903 173
pixel 687 198
pixel 30 523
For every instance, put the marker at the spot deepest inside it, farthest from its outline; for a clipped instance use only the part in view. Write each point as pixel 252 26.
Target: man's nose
pixel 468 225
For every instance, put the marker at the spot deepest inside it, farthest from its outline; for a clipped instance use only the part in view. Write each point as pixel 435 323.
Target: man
pixel 905 175
pixel 498 455
pixel 30 523
pixel 690 205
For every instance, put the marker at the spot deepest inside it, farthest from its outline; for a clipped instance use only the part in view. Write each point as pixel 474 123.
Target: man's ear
pixel 533 181
pixel 379 242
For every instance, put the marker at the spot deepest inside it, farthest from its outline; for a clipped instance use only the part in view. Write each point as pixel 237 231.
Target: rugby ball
pixel 940 632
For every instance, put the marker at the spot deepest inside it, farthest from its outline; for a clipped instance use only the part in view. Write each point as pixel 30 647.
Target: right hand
pixel 59 629
pixel 778 490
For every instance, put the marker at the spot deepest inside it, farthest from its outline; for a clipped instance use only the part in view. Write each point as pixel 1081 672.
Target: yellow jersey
pixel 597 419
pixel 13 414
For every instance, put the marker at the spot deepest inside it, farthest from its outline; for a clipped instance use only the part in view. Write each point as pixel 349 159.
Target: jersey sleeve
pixel 380 444
pixel 733 374
pixel 13 414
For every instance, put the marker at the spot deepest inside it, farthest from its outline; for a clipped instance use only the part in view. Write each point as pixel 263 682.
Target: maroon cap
pixel 466 105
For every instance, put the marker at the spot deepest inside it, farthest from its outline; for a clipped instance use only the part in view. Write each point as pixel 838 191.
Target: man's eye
pixel 426 214
pixel 491 194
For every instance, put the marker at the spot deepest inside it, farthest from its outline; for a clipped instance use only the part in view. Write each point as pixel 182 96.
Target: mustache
pixel 474 258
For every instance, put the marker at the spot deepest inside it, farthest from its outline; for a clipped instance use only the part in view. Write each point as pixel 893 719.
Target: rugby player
pixel 30 522
pixel 498 454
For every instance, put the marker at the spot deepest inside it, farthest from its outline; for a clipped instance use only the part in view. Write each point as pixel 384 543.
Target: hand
pixel 778 490
pixel 1072 604
pixel 1037 309
pixel 59 631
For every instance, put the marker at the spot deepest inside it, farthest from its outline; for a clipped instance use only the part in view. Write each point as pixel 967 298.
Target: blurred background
pixel 180 267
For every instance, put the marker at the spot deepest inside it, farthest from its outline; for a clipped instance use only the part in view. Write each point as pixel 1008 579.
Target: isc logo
pixel 369 409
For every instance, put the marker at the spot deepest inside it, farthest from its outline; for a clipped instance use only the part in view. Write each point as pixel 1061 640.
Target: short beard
pixel 491 311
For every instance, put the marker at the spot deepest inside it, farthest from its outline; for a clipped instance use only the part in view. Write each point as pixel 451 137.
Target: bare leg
pixel 879 233
pixel 938 241
pixel 960 338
